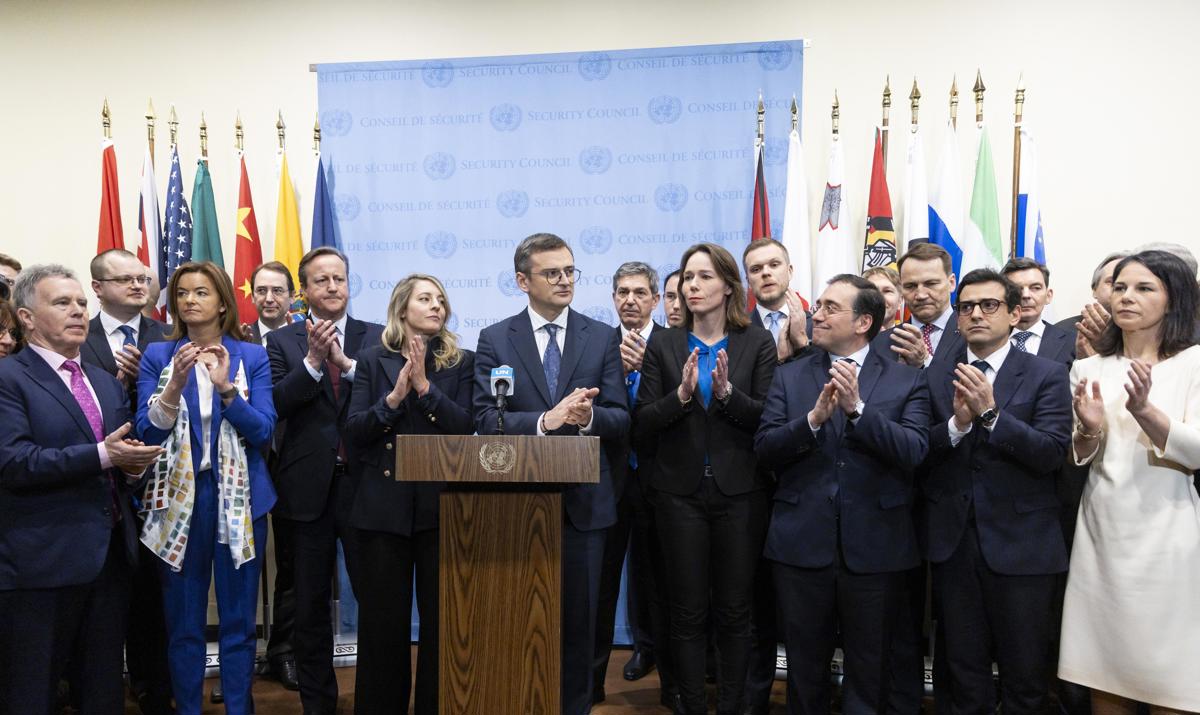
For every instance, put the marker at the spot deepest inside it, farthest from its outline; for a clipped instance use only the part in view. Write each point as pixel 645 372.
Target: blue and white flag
pixel 946 208
pixel 177 223
pixel 1030 241
pixel 916 198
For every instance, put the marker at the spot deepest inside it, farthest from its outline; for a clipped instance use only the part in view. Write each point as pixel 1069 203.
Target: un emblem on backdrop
pixel 346 207
pixel 354 285
pixel 671 197
pixel 664 109
pixel 595 160
pixel 775 151
pixel 505 117
pixel 600 313
pixel 513 203
pixel 437 74
pixel 665 270
pixel 595 239
pixel 336 122
pixel 507 282
pixel 452 323
pixel 439 166
pixel 440 244
pixel 774 56
pixel 594 66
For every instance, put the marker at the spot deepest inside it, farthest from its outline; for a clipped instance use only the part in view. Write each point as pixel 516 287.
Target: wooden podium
pixel 500 563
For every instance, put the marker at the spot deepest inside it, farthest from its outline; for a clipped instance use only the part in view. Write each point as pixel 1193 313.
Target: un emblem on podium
pixel 497 457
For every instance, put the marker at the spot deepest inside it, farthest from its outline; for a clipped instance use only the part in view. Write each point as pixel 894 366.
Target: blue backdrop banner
pixel 443 166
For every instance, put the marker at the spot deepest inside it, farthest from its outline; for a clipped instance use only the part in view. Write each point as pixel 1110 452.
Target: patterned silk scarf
pixel 171 492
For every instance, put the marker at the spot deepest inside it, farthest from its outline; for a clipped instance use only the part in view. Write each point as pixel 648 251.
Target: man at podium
pixel 567 381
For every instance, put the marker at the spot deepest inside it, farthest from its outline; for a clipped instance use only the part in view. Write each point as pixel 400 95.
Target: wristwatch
pixel 228 393
pixel 989 416
pixel 858 408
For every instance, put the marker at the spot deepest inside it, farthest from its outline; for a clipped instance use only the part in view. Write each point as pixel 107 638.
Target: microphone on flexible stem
pixel 502 382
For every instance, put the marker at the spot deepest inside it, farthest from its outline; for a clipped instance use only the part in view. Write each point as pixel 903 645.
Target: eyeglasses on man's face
pixel 554 276
pixel 126 281
pixel 264 291
pixel 988 306
pixel 830 309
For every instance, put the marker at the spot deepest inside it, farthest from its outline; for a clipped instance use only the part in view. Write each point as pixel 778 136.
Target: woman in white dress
pixel 1131 619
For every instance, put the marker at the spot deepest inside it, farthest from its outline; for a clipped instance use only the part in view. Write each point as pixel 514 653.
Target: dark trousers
pixel 616 545
pixel 185 601
pixel 315 544
pixel 815 604
pixel 646 603
pixel 760 676
pixel 283 594
pixel 582 554
pixel 383 681
pixel 41 629
pixel 907 679
pixel 146 634
pixel 712 544
pixel 984 613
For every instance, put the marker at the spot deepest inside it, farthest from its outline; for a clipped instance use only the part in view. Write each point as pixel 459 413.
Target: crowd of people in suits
pixel 771 471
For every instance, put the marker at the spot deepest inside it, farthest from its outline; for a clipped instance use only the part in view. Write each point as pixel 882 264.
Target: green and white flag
pixel 984 247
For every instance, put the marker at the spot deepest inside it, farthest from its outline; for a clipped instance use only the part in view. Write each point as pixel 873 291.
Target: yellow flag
pixel 289 248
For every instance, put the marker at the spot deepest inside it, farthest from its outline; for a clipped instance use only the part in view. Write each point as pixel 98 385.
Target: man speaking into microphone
pixel 570 383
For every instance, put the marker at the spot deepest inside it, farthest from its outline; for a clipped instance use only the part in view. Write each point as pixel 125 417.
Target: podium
pixel 500 563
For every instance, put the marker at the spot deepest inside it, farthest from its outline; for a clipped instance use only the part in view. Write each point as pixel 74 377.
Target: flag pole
pixel 1016 184
pixel 317 135
pixel 835 114
pixel 978 89
pixel 914 103
pixel 238 134
pixel 954 102
pixel 887 110
pixel 795 115
pixel 761 132
pixel 106 120
pixel 173 123
pixel 150 130
pixel 203 139
pixel 281 129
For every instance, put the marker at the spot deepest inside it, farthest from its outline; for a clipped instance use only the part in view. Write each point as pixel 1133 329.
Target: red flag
pixel 111 235
pixel 248 253
pixel 761 225
pixel 879 248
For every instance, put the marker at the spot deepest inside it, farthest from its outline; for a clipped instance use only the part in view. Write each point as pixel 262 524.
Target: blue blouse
pixel 706 363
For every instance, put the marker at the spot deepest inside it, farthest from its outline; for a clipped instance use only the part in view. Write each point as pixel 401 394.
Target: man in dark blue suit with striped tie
pixel 568 382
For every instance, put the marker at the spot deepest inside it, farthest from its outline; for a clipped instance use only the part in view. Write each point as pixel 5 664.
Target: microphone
pixel 502 382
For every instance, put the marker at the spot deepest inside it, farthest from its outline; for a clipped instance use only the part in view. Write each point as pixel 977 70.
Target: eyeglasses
pixel 10 281
pixel 830 309
pixel 126 281
pixel 554 276
pixel 264 291
pixel 988 305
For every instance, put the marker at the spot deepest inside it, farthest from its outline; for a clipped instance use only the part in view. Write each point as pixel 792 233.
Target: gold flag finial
pixel 914 103
pixel 203 138
pixel 762 111
pixel 954 102
pixel 887 100
pixel 795 114
pixel 150 127
pixel 1020 98
pixel 978 89
pixel 173 124
pixel 106 119
pixel 281 128
pixel 835 114
pixel 238 134
pixel 317 134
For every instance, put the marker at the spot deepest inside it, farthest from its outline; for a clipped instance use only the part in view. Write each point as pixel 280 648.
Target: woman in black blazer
pixel 700 400
pixel 417 382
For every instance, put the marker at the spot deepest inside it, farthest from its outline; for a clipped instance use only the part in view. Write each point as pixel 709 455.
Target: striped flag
pixel 110 235
pixel 760 224
pixel 946 212
pixel 177 226
pixel 150 226
pixel 916 199
pixel 1030 240
pixel 984 247
pixel 797 236
pixel 879 245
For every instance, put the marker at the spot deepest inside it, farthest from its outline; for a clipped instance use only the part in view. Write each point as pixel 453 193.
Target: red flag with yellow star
pixel 248 253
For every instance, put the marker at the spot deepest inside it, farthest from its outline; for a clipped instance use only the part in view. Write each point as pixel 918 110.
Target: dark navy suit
pixel 992 532
pixel 397 525
pixel 841 532
pixel 1058 344
pixel 64 566
pixel 590 358
pixel 185 593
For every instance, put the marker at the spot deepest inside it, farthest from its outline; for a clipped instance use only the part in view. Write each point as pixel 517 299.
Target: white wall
pixel 1109 96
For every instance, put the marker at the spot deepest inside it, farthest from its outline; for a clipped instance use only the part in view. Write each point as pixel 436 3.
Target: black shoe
pixel 217 696
pixel 639 665
pixel 283 669
pixel 153 704
pixel 755 710
pixel 676 705
pixel 597 695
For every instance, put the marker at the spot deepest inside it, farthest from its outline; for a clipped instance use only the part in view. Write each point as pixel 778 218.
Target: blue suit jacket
pixel 1008 473
pixel 55 504
pixel 591 358
pixel 254 420
pixel 862 472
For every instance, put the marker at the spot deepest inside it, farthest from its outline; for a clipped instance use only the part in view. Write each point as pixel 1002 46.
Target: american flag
pixel 177 226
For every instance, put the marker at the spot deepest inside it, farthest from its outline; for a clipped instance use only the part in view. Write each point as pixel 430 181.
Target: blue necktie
pixel 128 333
pixel 774 318
pixel 552 359
pixel 1020 338
pixel 981 365
pixel 631 385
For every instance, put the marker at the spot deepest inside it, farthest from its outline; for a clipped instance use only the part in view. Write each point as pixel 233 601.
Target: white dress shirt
pixel 541 336
pixel 1034 342
pixel 112 330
